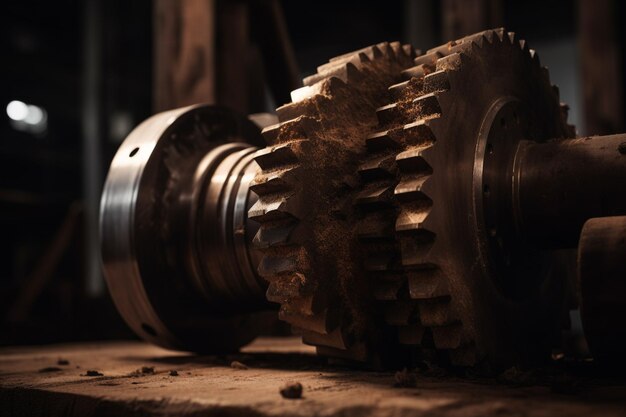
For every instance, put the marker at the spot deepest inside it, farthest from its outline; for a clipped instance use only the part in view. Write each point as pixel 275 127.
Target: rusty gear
pixel 304 187
pixel 405 205
pixel 433 276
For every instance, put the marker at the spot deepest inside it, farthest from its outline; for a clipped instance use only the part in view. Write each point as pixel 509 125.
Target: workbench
pixel 137 379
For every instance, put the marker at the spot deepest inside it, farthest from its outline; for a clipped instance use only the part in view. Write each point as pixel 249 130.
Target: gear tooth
pixel 412 160
pixel 511 37
pixel 410 51
pixel 401 313
pixel 534 56
pixel 378 168
pixel 448 337
pixel 436 82
pixel 278 234
pixel 427 283
pixel 436 312
pixel 427 105
pixel 345 72
pixel 388 114
pixel 285 286
pixel 274 207
pixel 380 140
pixel 415 244
pixel 398 51
pixel 387 290
pixel 276 156
pixel 352 74
pixel 397 90
pixel 312 80
pixel 386 49
pixel 363 58
pixel 276 181
pixel 309 322
pixel 418 133
pixel 306 92
pixel 273 266
pixel 449 62
pixel 409 189
pixel 564 108
pixel 555 89
pixel 411 335
pixel 418 71
pixel 375 195
pixel 292 111
pixel 376 53
pixel 546 75
pixel 523 45
pixel 428 59
pixel 270 133
pixel 335 339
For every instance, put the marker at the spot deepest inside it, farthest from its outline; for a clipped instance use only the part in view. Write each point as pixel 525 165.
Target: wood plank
pixel 208 385
pixel 464 17
pixel 184 53
pixel 601 67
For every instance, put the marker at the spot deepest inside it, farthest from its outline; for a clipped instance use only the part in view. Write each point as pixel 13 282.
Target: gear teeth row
pixel 282 209
pixel 405 136
pixel 428 283
pixel 398 145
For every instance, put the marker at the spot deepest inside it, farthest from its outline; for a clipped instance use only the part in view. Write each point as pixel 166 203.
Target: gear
pixel 407 206
pixel 303 190
pixel 432 273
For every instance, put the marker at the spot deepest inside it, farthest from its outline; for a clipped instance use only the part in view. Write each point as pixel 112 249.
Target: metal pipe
pixel 559 185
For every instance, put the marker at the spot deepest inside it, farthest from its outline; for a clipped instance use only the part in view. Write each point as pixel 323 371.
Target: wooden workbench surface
pixel 38 381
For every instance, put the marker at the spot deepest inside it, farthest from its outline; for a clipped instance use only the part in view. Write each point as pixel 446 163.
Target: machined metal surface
pixel 602 283
pixel 175 197
pixel 406 206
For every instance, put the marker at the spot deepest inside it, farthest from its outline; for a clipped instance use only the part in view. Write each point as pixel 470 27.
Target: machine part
pixel 602 282
pixel 419 197
pixel 175 234
pixel 304 197
pixel 440 169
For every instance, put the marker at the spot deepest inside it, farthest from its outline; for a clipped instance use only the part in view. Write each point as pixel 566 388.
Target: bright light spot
pixel 17 110
pixel 27 117
pixel 34 116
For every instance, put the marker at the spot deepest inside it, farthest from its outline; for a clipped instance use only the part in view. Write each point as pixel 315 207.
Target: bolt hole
pixel 489 149
pixel 486 190
pixel 622 148
pixel 133 152
pixel 148 329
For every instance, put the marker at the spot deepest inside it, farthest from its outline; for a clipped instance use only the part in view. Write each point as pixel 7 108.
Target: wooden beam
pixel 464 17
pixel 184 53
pixel 601 67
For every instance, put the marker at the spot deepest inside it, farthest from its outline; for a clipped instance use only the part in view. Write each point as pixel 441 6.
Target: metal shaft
pixel 561 184
pixel 221 261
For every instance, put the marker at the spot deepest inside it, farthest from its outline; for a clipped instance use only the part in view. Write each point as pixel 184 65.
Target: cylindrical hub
pixel 176 240
pixel 561 184
pixel 222 264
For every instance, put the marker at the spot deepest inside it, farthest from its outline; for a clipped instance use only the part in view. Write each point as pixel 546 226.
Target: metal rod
pixel 559 185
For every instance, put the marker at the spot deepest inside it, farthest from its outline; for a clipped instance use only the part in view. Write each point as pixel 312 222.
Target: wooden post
pixel 464 17
pixel 601 67
pixel 184 53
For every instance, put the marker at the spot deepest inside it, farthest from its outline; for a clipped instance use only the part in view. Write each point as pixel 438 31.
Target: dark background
pixel 91 65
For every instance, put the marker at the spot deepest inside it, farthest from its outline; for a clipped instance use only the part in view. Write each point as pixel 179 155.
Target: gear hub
pixel 405 204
